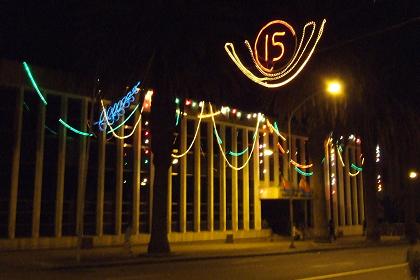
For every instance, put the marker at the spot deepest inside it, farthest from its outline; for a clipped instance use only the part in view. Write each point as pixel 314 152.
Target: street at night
pixel 385 263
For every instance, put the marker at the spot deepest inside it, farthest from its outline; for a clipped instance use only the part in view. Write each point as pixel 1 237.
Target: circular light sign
pixel 271 53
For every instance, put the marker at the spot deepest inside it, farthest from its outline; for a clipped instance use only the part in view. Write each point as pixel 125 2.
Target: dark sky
pixel 114 40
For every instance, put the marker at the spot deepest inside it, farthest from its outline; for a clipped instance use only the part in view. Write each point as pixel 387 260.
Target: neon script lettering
pixel 114 112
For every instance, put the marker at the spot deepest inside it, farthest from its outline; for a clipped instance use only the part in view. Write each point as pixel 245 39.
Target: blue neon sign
pixel 115 111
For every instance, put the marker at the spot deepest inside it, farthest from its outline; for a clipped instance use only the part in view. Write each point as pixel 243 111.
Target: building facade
pixel 59 180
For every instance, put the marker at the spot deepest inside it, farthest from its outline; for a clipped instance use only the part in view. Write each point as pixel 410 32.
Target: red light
pixel 188 102
pixel 146 133
pixel 146 152
pixel 233 111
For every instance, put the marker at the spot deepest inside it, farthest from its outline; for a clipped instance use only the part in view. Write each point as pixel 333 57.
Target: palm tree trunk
pixel 162 120
pixel 369 183
pixel 315 146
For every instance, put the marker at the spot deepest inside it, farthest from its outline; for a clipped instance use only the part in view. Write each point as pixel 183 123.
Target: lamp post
pixel 333 88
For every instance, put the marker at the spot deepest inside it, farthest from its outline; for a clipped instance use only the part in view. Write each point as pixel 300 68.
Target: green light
pixel 73 129
pixel 146 161
pixel 177 100
pixel 276 128
pixel 28 71
pixel 301 172
pixel 177 117
pixel 194 104
pixel 357 168
pixel 219 140
pixel 122 123
pixel 236 154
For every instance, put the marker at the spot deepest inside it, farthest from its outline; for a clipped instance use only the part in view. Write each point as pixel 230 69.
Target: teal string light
pixel 357 168
pixel 122 123
pixel 219 140
pixel 73 129
pixel 177 117
pixel 276 128
pixel 28 72
pixel 301 172
pixel 236 154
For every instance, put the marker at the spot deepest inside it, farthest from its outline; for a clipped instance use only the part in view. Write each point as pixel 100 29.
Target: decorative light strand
pixel 339 151
pixel 125 120
pixel 31 78
pixel 115 111
pixel 354 166
pixel 236 154
pixel 223 153
pixel 288 67
pixel 304 166
pixel 281 148
pixel 301 172
pixel 354 174
pixel 275 81
pixel 74 129
pixel 113 130
pixel 275 129
pixel 195 136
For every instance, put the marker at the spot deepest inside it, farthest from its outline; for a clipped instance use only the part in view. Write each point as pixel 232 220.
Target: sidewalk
pixel 114 256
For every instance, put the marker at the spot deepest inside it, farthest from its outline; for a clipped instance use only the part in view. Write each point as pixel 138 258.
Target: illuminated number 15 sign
pixel 270 40
pixel 276 54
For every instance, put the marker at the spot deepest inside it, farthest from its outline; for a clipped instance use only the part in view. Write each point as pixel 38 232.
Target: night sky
pixel 114 41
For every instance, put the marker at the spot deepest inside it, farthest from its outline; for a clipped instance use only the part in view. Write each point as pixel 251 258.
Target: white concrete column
pixel 349 214
pixel 340 188
pixel 292 170
pixel 197 179
pixel 82 173
pixel 285 159
pixel 334 187
pixel 276 158
pixel 266 161
pixel 327 178
pixel 210 178
pixel 14 178
pixel 360 190
pixel 100 188
pixel 151 189
pixel 256 194
pixel 245 181
pixel 136 175
pixel 39 166
pixel 119 165
pixel 354 189
pixel 183 178
pixel 169 201
pixel 222 182
pixel 234 186
pixel 61 169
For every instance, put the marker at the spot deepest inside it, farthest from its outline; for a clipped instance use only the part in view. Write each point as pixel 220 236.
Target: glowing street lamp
pixel 412 174
pixel 334 87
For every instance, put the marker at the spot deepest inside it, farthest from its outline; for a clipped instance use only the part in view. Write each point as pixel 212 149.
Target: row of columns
pixel 222 183
pixel 347 194
pixel 82 171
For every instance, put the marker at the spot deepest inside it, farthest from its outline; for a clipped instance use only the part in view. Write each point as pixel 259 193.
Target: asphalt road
pixel 372 263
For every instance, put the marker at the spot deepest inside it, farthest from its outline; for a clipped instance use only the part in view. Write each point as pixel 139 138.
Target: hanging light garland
pixel 31 78
pixel 223 152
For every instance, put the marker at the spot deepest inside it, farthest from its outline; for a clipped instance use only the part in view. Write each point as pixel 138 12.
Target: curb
pixel 185 258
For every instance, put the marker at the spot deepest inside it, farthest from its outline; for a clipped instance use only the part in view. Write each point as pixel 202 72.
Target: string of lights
pixel 34 84
pixel 223 152
pixel 74 129
pixel 195 136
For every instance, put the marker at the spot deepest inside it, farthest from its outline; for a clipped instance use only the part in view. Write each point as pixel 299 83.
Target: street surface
pixel 385 263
